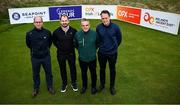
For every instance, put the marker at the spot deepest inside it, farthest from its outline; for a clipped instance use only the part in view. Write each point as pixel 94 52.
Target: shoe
pixel 35 92
pixel 112 91
pixel 93 90
pixel 83 90
pixel 101 88
pixel 74 87
pixel 51 91
pixel 63 88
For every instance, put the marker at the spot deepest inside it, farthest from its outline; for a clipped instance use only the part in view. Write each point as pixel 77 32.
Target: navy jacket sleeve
pixel 98 37
pixel 97 40
pixel 50 39
pixel 118 35
pixel 28 43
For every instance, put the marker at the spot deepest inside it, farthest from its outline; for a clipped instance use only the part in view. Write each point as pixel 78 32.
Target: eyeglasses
pixel 37 22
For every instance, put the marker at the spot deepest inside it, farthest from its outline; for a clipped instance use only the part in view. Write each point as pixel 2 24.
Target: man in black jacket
pixel 39 41
pixel 63 40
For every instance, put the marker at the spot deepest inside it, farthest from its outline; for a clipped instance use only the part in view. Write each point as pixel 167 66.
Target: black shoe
pixel 35 92
pixel 112 91
pixel 74 87
pixel 93 90
pixel 63 88
pixel 51 91
pixel 83 90
pixel 101 88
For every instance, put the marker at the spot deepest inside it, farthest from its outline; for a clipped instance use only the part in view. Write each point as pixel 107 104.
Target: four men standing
pixel 65 39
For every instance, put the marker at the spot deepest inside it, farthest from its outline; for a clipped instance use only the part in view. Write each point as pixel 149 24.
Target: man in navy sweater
pixel 39 41
pixel 109 39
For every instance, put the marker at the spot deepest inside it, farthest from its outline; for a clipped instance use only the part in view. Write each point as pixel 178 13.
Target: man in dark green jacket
pixel 85 41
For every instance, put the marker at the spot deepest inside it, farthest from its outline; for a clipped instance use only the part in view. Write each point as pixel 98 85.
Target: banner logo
pixel 16 16
pixel 73 12
pixel 157 21
pixel 69 13
pixel 148 18
pixel 123 13
pixel 90 11
pixel 129 14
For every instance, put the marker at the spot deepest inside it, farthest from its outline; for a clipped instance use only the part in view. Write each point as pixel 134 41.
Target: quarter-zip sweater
pixel 86 44
pixel 109 38
pixel 39 42
pixel 64 41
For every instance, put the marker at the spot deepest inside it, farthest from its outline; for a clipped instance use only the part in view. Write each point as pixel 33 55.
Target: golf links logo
pixel 148 18
pixel 158 21
pixel 16 16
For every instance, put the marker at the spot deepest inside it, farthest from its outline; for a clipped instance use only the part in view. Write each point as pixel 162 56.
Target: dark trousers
pixel 103 58
pixel 62 63
pixel 92 67
pixel 46 64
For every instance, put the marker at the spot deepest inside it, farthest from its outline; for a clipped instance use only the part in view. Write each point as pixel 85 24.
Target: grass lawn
pixel 148 69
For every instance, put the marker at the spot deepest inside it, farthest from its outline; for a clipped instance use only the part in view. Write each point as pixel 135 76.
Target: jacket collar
pixel 86 32
pixel 38 29
pixel 108 25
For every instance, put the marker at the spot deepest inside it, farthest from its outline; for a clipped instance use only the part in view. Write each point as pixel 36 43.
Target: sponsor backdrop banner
pixel 93 11
pixel 129 14
pixel 163 21
pixel 26 15
pixel 73 12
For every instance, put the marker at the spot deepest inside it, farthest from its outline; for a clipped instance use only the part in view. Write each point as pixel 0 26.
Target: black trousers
pixel 92 67
pixel 62 63
pixel 46 64
pixel 103 58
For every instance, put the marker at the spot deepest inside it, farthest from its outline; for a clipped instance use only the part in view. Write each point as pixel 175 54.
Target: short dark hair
pixel 84 19
pixel 105 12
pixel 63 15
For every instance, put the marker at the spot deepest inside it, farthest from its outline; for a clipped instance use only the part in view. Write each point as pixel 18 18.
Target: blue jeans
pixel 46 64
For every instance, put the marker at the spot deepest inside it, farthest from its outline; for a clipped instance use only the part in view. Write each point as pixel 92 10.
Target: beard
pixel 64 25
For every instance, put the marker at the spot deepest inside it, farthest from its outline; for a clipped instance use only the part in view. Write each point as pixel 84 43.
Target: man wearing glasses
pixel 39 41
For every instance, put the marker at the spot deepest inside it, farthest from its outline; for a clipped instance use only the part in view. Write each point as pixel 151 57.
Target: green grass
pixel 148 69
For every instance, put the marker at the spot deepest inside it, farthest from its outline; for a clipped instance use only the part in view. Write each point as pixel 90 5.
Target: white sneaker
pixel 74 87
pixel 63 88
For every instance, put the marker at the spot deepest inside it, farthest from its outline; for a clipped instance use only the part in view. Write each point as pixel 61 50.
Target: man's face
pixel 64 21
pixel 38 23
pixel 105 19
pixel 85 26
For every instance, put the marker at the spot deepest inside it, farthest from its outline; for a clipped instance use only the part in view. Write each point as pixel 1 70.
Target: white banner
pixel 93 11
pixel 26 15
pixel 163 21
